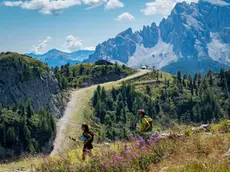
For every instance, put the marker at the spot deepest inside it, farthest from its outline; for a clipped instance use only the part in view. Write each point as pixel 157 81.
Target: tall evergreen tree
pixel 30 110
pixel 148 90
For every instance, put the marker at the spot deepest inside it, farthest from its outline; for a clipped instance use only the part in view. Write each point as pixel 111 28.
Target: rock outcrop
pixel 23 78
pixel 196 33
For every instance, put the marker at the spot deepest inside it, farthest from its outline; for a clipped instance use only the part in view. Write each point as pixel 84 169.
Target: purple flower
pixel 118 158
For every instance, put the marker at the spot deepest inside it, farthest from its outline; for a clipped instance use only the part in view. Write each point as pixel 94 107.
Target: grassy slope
pixel 151 80
pixel 83 108
pixel 193 152
pixel 77 117
pixel 203 153
pixel 82 75
pixel 200 152
pixel 15 58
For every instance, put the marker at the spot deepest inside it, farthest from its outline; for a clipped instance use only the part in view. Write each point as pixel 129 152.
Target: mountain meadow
pixel 178 104
pixel 152 100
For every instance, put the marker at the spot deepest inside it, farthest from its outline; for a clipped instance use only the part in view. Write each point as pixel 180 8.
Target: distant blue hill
pixel 55 57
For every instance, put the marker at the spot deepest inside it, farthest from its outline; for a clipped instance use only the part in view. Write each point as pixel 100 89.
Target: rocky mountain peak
pixel 196 31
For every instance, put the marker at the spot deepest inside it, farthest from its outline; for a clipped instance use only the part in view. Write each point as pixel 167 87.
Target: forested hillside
pixel 23 130
pixel 22 77
pixel 82 75
pixel 31 98
pixel 168 100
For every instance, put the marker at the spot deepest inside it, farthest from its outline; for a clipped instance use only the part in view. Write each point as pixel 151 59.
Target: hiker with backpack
pixel 145 124
pixel 87 138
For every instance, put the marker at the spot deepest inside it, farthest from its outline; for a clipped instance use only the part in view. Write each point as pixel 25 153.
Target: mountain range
pixel 194 37
pixel 55 57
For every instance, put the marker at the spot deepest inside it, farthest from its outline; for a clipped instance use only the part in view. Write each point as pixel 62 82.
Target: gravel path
pixel 77 100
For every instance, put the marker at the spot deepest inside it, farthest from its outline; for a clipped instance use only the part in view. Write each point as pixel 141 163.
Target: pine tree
pixel 28 142
pixel 185 77
pixel 11 136
pixel 95 98
pixel 99 90
pixel 103 94
pixel 178 77
pixel 117 68
pixel 191 84
pixel 210 75
pixel 199 77
pixel 64 83
pixel 29 111
pixel 114 94
pixel 108 120
pixel 81 69
pixel 195 78
pixel 67 72
pixel 21 107
pixel 148 90
pixel 3 135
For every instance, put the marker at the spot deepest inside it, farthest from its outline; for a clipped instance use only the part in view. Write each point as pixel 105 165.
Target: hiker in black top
pixel 87 137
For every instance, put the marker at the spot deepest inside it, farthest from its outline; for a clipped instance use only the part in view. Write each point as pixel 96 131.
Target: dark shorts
pixel 87 146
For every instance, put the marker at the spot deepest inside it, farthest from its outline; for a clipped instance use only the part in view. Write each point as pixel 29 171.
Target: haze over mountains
pixel 193 37
pixel 56 57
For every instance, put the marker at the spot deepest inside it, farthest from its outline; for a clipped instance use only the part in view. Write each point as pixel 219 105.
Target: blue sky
pixel 69 25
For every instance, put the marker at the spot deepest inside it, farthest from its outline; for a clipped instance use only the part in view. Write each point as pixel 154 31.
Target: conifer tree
pixel 30 110
pixel 11 137
pixel 148 90
pixel 178 77
pixel 81 69
pixel 103 93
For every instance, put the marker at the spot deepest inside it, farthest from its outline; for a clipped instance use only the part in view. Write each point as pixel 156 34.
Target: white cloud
pixel 40 47
pixel 72 44
pixel 111 4
pixel 52 6
pixel 12 3
pixel 162 7
pixel 94 2
pixel 44 6
pixel 125 16
pixel 89 48
pixel 55 7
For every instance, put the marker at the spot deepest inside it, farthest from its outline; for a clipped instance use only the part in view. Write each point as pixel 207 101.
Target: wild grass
pixel 200 152
pixel 135 156
pixel 203 152
pixel 191 153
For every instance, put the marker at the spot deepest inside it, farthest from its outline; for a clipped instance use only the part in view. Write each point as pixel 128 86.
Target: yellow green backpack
pixel 150 120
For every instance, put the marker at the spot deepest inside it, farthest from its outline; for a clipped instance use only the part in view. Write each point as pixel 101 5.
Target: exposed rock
pixel 182 40
pixel 24 78
pixel 227 153
pixel 149 35
pixel 106 144
pixel 224 34
pixel 204 127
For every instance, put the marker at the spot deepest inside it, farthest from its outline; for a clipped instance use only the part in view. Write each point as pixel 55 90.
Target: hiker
pixel 145 124
pixel 87 138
